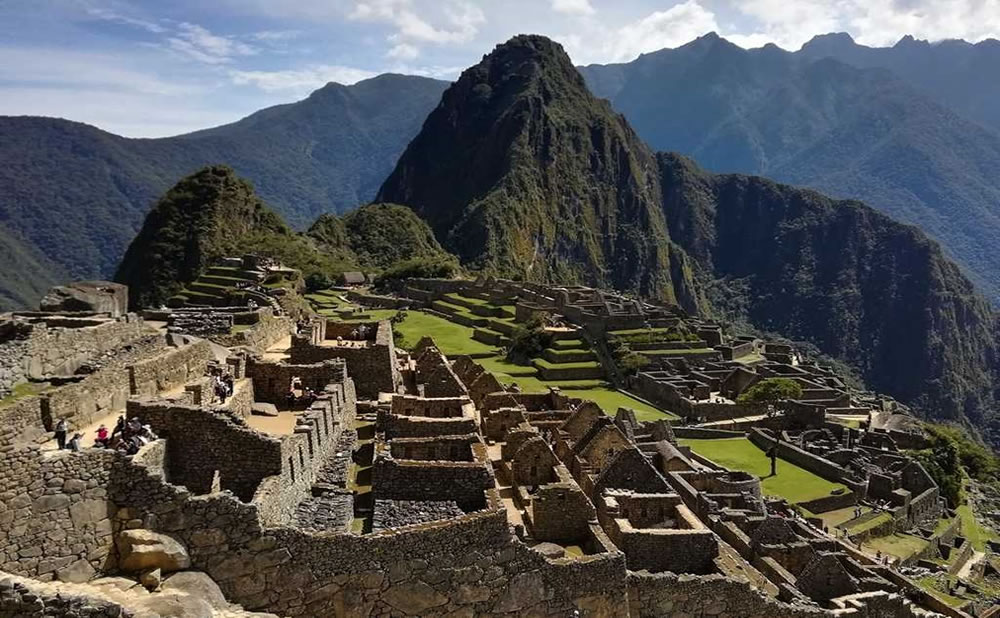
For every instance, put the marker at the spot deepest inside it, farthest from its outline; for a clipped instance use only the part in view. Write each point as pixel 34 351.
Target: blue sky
pixel 145 68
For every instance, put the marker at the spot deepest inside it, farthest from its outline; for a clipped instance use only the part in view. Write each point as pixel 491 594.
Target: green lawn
pixel 972 530
pixel 472 301
pixel 900 545
pixel 452 339
pixel 791 483
pixel 878 520
pixel 610 400
pixel 541 362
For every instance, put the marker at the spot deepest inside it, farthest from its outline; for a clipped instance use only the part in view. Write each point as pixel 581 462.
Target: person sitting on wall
pixel 74 443
pixel 134 426
pixel 119 427
pixel 60 433
pixel 102 437
pixel 290 398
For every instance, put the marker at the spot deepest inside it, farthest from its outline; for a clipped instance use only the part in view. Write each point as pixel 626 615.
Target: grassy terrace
pixel 23 391
pixel 791 483
pixel 452 339
pixel 900 545
pixel 541 362
pixel 973 530
pixel 455 340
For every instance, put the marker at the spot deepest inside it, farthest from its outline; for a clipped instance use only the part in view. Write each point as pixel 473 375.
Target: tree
pixel 317 281
pixel 772 391
pixel 529 340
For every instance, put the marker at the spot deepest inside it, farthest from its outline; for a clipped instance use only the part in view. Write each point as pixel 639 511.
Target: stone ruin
pixel 388 483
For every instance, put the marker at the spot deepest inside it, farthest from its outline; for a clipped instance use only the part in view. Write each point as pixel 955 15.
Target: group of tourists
pixel 223 385
pixel 306 399
pixel 127 437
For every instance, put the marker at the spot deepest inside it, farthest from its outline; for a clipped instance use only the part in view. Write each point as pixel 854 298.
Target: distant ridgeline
pixel 522 173
pixel 72 197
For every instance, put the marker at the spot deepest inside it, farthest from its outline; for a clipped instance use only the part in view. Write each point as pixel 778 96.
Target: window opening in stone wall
pixel 291 467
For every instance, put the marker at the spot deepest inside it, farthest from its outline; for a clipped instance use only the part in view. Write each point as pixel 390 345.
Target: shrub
pixel 420 268
pixel 529 340
pixel 317 281
pixel 771 390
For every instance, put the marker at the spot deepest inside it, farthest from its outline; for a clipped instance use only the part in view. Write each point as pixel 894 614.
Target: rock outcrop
pixel 143 550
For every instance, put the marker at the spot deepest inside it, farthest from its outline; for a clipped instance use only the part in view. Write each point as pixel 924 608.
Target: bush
pixel 529 340
pixel 420 268
pixel 771 390
pixel 317 281
pixel 632 363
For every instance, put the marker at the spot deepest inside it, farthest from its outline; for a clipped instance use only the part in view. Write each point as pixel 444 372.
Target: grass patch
pixel 569 344
pixel 452 339
pixel 23 391
pixel 498 365
pixel 610 400
pixel 791 483
pixel 238 328
pixel 878 520
pixel 472 301
pixel 900 545
pixel 541 362
pixel 973 530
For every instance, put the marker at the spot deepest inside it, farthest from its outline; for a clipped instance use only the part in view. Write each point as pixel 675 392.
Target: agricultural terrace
pixel 454 322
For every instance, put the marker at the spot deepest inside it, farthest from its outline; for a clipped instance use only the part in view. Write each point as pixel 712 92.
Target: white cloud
pixel 454 23
pixel 403 51
pixel 112 16
pixel 199 43
pixel 670 28
pixel 573 7
pixel 299 81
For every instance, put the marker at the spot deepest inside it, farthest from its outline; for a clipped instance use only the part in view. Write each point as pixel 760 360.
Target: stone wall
pixel 466 566
pixel 669 594
pixel 259 337
pixel 26 598
pixel 831 503
pixel 170 370
pixel 55 514
pixel 202 444
pixel 376 362
pixel 61 350
pixel 272 380
pixel 463 482
pixel 814 463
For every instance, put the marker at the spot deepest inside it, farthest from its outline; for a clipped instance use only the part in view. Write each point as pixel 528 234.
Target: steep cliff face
pixel 864 288
pixel 521 172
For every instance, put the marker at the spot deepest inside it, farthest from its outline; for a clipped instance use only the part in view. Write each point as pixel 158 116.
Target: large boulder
pixel 264 409
pixel 199 585
pixel 143 550
pixel 89 296
pixel 173 605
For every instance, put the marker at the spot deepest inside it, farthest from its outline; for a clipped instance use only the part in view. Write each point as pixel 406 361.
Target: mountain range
pixel 521 172
pixel 72 197
pixel 851 121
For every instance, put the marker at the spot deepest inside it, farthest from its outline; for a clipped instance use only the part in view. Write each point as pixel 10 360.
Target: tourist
pixel 227 380
pixel 60 433
pixel 290 398
pixel 74 443
pixel 102 436
pixel 134 426
pixel 119 427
